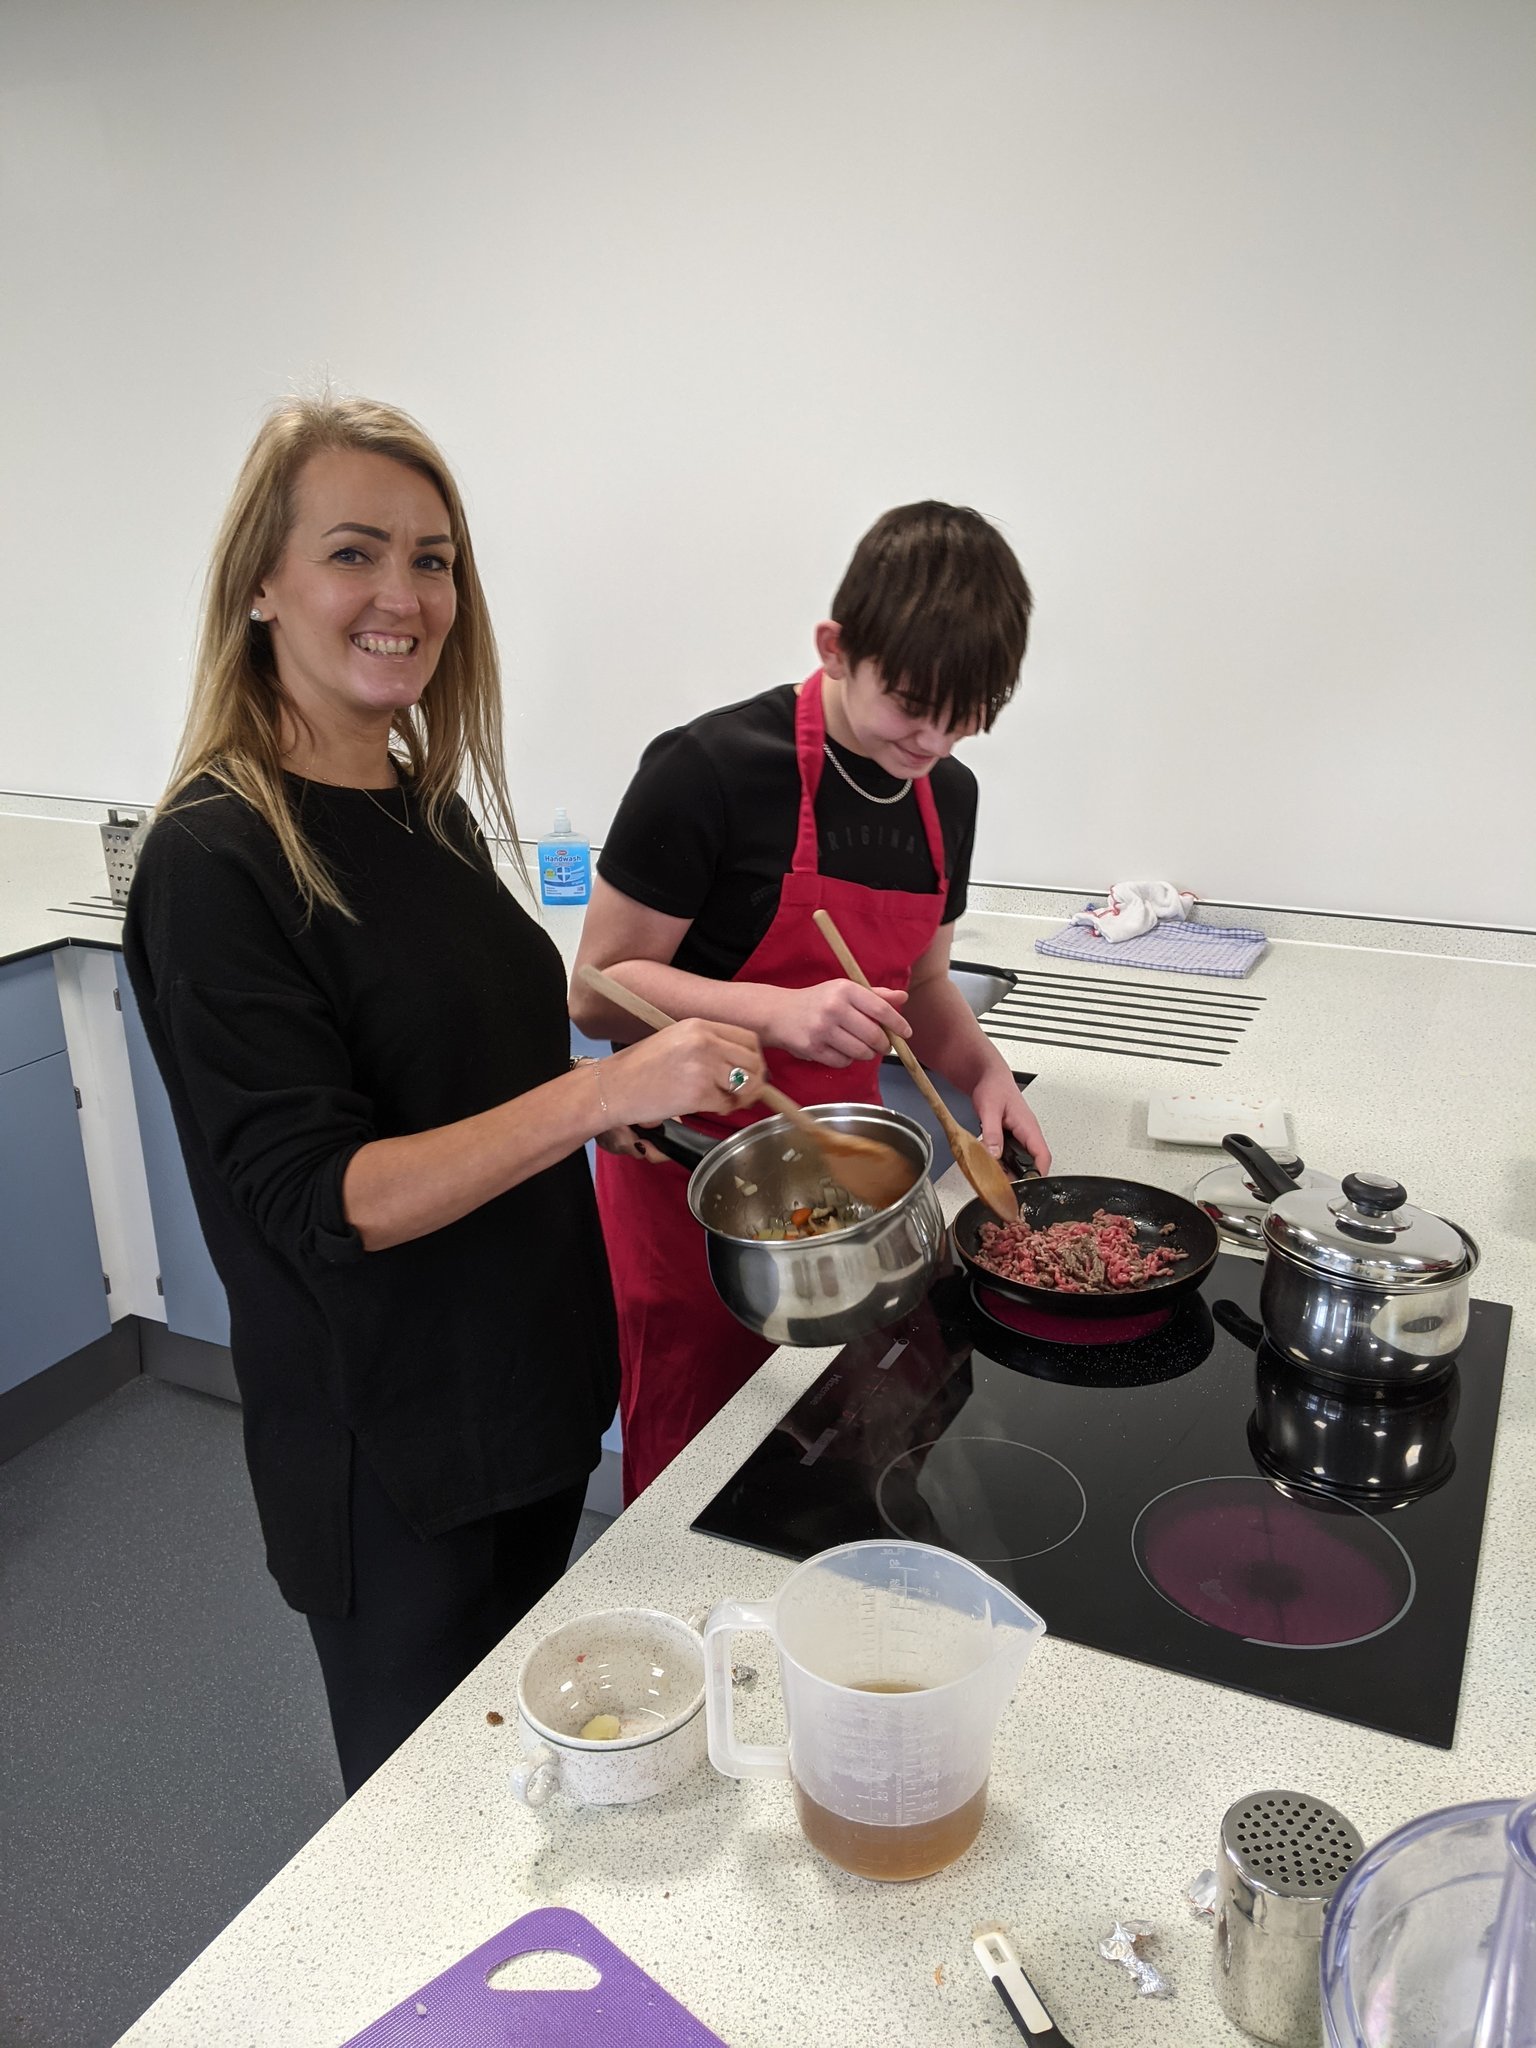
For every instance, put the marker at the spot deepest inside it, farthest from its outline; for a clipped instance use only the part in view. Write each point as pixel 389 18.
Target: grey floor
pixel 164 1747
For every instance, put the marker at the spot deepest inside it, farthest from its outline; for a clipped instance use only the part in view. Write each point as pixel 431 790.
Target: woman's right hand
pixel 835 1022
pixel 682 1071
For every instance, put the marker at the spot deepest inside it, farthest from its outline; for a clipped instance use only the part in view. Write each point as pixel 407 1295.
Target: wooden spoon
pixel 984 1173
pixel 870 1171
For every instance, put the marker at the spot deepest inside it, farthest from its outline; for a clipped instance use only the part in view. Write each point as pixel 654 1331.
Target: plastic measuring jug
pixel 896 1660
pixel 1430 1942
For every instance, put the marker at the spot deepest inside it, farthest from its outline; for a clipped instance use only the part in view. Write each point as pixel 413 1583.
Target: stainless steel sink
pixel 982 987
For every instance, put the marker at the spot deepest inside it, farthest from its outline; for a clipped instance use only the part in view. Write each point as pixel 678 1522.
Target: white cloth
pixel 1135 907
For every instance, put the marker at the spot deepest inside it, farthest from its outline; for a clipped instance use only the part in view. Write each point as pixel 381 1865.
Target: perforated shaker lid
pixel 1289 1844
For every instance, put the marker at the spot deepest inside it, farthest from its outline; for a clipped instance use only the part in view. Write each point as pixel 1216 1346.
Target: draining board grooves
pixel 1102 1013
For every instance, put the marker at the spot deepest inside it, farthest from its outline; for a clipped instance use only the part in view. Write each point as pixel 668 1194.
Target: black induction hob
pixel 1184 1498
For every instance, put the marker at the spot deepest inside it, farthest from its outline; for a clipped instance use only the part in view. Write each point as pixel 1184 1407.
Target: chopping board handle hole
pixel 544 1969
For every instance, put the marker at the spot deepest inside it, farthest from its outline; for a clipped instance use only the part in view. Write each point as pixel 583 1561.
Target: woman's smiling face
pixel 362 601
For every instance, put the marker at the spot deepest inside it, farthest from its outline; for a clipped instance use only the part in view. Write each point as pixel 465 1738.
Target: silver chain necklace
pixel 405 822
pixel 905 789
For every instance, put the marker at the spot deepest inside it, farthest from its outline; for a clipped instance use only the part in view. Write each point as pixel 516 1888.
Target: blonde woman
pixel 365 1043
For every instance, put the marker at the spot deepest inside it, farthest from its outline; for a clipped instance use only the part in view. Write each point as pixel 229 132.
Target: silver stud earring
pixel 256 617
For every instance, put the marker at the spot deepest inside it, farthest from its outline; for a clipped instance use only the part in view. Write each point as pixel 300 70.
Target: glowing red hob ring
pixel 1054 1328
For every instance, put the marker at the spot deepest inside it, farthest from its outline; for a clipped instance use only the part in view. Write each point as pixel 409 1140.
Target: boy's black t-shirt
pixel 707 829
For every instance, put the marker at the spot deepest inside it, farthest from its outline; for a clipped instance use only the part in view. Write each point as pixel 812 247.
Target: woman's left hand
pixel 627 1141
pixel 1001 1108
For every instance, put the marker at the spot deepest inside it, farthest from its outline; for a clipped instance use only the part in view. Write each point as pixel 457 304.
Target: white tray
pixel 1206 1120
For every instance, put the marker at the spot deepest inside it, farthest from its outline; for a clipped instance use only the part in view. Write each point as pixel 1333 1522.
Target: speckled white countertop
pixel 53 887
pixel 1109 1779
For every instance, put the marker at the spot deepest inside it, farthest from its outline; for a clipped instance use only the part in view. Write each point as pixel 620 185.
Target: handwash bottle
pixel 565 864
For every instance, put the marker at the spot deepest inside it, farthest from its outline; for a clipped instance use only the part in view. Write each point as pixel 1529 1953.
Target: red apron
pixel 682 1351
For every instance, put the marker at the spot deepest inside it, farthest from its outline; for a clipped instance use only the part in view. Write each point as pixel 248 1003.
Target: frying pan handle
pixel 1017 1163
pixel 675 1141
pixel 1267 1173
pixel 1241 1325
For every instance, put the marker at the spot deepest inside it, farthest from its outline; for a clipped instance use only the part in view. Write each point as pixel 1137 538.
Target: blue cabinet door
pixel 53 1299
pixel 195 1302
pixel 31 1022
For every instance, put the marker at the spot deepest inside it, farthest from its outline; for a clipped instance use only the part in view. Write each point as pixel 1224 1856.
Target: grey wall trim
pixel 61 1392
pixel 57 1395
pixel 188 1361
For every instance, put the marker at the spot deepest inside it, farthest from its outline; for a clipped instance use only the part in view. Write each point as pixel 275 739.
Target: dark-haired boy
pixel 840 793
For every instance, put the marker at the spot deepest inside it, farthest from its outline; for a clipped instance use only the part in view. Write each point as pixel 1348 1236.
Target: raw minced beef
pixel 1100 1257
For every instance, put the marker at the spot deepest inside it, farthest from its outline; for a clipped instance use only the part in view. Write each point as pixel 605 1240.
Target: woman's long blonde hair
pixel 449 740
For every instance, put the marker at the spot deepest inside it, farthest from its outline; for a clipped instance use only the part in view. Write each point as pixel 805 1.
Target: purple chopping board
pixel 459 2009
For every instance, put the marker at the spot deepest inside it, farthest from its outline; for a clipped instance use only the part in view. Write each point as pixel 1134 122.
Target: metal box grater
pixel 119 842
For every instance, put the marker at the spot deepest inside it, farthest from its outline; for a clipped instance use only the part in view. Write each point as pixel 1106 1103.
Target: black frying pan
pixel 1072 1198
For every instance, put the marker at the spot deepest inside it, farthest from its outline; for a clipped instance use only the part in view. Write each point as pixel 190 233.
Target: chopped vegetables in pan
pixel 836 1210
pixel 1101 1257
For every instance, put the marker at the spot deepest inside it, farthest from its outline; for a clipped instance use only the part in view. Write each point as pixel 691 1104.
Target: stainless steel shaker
pixel 1282 1854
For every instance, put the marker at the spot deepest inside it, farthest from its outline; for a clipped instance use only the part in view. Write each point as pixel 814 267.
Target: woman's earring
pixel 256 617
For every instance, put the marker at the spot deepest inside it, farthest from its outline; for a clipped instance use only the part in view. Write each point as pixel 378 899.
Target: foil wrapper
pixel 1204 1894
pixel 1123 1944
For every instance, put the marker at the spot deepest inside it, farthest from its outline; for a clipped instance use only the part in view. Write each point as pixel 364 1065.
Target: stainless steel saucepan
pixel 1361 1286
pixel 814 1290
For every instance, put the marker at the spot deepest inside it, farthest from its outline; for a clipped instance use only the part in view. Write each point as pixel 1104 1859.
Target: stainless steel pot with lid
pixel 1361 1285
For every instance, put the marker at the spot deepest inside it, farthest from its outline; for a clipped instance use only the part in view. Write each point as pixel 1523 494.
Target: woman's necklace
pixel 405 822
pixel 905 789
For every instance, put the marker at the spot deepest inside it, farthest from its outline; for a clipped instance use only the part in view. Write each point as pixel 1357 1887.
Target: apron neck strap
pixel 810 736
pixel 810 732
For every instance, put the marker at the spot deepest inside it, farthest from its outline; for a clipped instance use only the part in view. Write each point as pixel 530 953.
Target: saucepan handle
pixel 735 1759
pixel 677 1142
pixel 1267 1174
pixel 1240 1324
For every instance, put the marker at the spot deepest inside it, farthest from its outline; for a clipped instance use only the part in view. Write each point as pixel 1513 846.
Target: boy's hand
pixel 1000 1107
pixel 834 1022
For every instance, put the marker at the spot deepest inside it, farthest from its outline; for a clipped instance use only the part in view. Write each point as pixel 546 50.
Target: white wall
pixel 1225 312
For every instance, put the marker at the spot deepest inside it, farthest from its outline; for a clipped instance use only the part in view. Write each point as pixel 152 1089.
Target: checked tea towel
pixel 1229 951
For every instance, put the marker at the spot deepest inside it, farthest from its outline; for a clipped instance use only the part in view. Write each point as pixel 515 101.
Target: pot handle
pixel 1272 1178
pixel 735 1759
pixel 1241 1325
pixel 536 1775
pixel 677 1142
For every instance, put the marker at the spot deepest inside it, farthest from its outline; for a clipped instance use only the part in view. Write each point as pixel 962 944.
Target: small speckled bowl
pixel 645 1668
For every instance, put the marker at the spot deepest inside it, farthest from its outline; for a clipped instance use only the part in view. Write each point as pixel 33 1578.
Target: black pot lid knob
pixel 1373 1194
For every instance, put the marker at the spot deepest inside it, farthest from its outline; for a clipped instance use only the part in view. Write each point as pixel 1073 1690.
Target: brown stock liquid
pixel 893 1854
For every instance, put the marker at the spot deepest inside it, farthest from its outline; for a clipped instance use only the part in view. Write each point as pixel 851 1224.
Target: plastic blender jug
pixel 1430 1942
pixel 896 1660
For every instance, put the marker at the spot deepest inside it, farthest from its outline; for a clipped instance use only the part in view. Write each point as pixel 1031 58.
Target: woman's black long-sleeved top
pixel 474 1368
